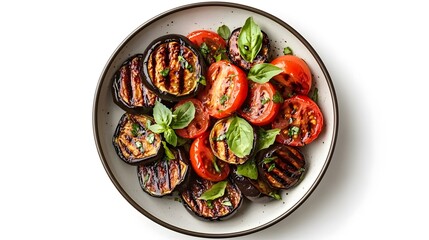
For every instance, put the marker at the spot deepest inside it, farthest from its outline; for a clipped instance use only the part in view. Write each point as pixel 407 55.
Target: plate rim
pixel 215 4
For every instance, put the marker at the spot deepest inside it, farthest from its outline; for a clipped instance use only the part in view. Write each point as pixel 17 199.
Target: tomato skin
pixel 226 89
pixel 296 76
pixel 216 45
pixel 257 109
pixel 199 124
pixel 202 159
pixel 300 121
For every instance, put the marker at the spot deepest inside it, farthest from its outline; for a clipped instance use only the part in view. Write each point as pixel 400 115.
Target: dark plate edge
pixel 199 234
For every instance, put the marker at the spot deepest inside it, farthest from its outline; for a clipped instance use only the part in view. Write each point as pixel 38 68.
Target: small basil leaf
pixel 224 32
pixel 216 191
pixel 250 40
pixel 266 138
pixel 315 95
pixel 168 152
pixel 157 128
pixel 171 137
pixel 287 51
pixel 263 72
pixel 277 98
pixel 239 137
pixel 162 114
pixel 185 113
pixel 248 169
pixel 275 195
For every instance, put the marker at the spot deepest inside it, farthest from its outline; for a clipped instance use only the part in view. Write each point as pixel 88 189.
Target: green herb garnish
pixel 239 136
pixel 224 32
pixel 216 191
pixel 287 51
pixel 166 120
pixel 165 72
pixel 250 40
pixel 263 72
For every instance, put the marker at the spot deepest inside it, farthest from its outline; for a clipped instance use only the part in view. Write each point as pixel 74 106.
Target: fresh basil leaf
pixel 162 114
pixel 224 32
pixel 151 138
pixel 168 152
pixel 204 49
pixel 202 80
pixel 248 169
pixel 226 202
pixel 287 51
pixel 139 145
pixel 268 159
pixel 165 72
pixel 277 98
pixel 315 95
pixel 250 40
pixel 216 191
pixel 184 114
pixel 293 131
pixel 239 137
pixel 263 72
pixel 158 128
pixel 171 137
pixel 266 138
pixel 135 129
pixel 275 195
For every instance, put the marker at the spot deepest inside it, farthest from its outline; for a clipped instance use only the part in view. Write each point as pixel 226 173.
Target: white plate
pixel 169 212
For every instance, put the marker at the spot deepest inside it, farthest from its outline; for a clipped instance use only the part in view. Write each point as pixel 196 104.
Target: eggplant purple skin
pixel 180 155
pixel 116 96
pixel 136 162
pixel 269 152
pixel 145 72
pixel 199 216
pixel 234 53
pixel 248 189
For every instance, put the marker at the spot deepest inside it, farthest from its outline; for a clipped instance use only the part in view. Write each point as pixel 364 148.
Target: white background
pixel 52 182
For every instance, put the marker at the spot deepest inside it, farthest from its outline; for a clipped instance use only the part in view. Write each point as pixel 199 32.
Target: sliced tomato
pixel 199 124
pixel 262 104
pixel 300 121
pixel 296 76
pixel 211 45
pixel 226 89
pixel 204 162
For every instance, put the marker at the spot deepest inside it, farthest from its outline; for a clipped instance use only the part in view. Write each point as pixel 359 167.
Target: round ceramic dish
pixel 167 211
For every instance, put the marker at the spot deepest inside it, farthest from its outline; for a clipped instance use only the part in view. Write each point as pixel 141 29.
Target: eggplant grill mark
pixel 297 160
pixel 125 83
pixel 155 179
pixel 225 144
pixel 180 74
pixel 135 82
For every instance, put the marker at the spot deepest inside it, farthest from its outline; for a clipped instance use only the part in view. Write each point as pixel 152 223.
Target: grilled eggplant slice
pixel 234 53
pixel 217 209
pixel 281 166
pixel 254 190
pixel 219 144
pixel 129 92
pixel 134 142
pixel 173 67
pixel 164 176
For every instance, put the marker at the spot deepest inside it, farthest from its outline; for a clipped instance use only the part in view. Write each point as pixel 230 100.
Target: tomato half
pixel 226 89
pixel 300 121
pixel 211 45
pixel 204 162
pixel 296 75
pixel 199 124
pixel 261 106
